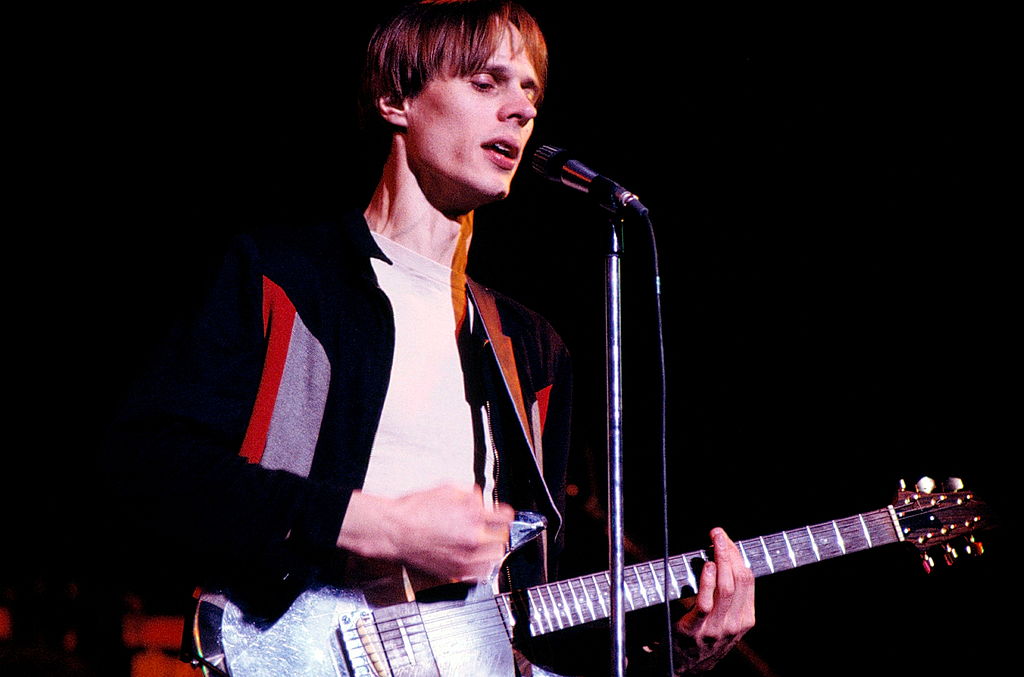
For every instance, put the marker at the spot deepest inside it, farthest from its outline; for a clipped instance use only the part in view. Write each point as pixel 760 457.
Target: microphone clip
pixel 556 165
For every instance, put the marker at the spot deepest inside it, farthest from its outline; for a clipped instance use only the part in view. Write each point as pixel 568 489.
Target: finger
pixel 728 554
pixel 504 511
pixel 724 556
pixel 744 598
pixel 725 549
pixel 499 516
pixel 706 594
pixel 738 607
pixel 702 603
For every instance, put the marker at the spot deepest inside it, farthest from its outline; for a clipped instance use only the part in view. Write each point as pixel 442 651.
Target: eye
pixel 483 83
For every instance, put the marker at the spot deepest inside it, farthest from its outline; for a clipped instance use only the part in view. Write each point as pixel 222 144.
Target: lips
pixel 502 152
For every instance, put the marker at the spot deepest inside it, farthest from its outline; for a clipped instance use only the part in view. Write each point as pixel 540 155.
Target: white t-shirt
pixel 425 435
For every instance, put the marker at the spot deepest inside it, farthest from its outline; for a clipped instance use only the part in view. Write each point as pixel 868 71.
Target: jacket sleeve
pixel 172 455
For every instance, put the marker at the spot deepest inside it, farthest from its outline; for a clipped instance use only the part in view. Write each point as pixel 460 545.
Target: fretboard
pixel 575 601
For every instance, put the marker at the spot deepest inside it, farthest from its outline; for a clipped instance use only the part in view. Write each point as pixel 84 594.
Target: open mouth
pixel 503 149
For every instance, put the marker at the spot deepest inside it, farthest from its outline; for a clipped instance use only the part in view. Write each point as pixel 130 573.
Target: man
pixel 349 407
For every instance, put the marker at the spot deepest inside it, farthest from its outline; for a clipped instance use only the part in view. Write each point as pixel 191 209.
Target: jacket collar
pixel 501 347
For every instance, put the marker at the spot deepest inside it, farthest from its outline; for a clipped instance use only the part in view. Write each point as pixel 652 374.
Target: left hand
pixel 722 611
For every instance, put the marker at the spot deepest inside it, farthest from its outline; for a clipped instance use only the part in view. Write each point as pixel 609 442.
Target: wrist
pixel 366 529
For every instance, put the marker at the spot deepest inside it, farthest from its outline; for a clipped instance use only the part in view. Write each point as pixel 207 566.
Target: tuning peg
pixel 925 485
pixel 953 484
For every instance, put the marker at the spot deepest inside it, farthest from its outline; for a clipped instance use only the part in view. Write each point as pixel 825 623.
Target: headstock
pixel 941 521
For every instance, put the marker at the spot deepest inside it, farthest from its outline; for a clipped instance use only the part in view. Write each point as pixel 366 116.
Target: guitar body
pixel 332 632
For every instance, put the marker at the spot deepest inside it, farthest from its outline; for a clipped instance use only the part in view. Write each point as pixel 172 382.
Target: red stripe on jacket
pixel 278 318
pixel 542 405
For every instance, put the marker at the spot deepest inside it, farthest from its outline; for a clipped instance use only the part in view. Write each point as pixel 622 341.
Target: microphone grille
pixel 547 161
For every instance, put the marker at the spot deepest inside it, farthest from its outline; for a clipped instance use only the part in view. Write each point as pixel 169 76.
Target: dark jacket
pixel 246 441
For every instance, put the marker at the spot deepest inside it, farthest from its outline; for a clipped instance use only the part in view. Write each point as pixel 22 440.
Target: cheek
pixel 441 135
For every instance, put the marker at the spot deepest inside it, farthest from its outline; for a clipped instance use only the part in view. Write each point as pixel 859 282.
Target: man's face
pixel 466 135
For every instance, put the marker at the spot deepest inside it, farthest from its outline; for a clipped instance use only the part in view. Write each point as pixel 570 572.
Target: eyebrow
pixel 505 74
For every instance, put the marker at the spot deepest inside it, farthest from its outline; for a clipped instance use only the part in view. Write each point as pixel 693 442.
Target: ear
pixel 394 113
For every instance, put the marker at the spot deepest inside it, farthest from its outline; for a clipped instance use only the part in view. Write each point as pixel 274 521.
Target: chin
pixel 501 191
pixel 492 194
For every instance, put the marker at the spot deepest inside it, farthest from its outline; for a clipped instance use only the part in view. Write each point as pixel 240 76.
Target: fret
pixel 576 602
pixel 658 595
pixel 755 558
pixel 767 555
pixel 586 597
pixel 814 545
pixel 537 605
pixel 839 537
pixel 780 551
pixel 864 526
pixel 789 549
pixel 640 585
pixel 567 606
pixel 853 535
pixel 743 551
pixel 803 548
pixel 675 591
pixel 679 572
pixel 689 573
pixel 607 589
pixel 826 544
pixel 600 597
pixel 554 603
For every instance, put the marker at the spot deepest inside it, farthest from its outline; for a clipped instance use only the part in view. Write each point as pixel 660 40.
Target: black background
pixel 835 273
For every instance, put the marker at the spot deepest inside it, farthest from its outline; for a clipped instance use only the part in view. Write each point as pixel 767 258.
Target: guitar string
pixel 458 618
pixel 500 638
pixel 640 572
pixel 567 614
pixel 878 525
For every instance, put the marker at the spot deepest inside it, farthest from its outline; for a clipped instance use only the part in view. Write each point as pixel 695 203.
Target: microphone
pixel 556 165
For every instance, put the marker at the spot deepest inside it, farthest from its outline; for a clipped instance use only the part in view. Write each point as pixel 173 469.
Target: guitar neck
pixel 572 602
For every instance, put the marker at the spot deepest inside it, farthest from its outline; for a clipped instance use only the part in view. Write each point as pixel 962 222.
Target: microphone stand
pixel 613 349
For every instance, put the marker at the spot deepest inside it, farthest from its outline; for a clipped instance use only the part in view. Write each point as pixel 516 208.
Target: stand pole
pixel 613 348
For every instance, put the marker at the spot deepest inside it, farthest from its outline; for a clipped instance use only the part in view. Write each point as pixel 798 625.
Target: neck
pixel 401 212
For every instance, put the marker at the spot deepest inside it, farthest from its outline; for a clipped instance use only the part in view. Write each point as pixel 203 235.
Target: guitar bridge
pixel 361 646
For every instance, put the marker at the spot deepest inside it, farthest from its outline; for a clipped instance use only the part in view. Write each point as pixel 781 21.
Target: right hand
pixel 446 532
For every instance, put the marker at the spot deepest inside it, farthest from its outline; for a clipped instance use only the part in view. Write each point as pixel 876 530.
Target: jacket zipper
pixel 496 474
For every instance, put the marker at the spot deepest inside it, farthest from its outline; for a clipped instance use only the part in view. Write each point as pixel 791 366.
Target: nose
pixel 518 107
